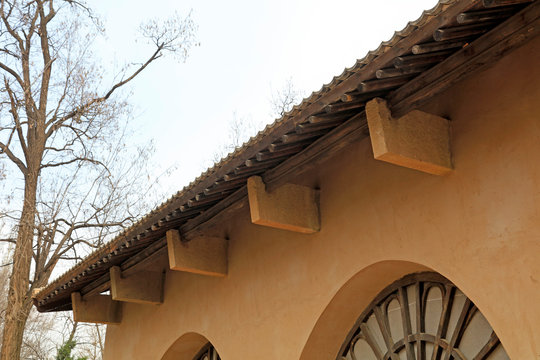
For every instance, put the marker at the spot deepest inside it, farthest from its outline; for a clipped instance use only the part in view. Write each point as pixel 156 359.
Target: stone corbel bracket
pixel 144 287
pixel 417 140
pixel 99 309
pixel 290 207
pixel 205 255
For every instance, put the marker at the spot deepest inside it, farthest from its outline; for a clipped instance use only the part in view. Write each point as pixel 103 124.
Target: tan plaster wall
pixel 479 227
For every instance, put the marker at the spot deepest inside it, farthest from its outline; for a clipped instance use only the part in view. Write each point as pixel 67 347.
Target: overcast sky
pixel 248 50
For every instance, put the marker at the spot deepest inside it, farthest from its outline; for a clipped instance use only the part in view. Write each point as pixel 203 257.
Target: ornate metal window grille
pixel 208 352
pixel 422 317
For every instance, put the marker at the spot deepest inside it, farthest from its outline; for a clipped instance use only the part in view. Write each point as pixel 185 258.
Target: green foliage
pixel 64 352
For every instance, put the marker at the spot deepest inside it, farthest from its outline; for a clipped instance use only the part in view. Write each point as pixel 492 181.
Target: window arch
pixel 422 316
pixel 208 352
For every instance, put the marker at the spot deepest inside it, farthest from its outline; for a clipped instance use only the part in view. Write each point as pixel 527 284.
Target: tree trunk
pixel 19 300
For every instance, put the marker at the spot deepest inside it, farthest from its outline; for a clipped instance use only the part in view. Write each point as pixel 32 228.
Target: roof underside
pixel 446 43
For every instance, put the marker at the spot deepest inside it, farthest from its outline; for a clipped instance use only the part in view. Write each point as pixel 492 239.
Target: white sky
pixel 248 50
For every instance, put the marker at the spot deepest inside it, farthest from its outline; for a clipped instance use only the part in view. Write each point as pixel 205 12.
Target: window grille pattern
pixel 422 317
pixel 208 352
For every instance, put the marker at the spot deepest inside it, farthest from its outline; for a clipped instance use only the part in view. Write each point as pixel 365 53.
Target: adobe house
pixel 393 214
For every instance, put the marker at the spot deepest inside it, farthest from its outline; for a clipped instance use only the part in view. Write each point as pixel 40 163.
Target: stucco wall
pixel 479 227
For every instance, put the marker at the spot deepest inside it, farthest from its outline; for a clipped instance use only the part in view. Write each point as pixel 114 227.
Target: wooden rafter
pixel 92 274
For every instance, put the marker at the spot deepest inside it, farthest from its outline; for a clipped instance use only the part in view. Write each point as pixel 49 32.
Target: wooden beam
pixel 327 146
pixel 417 140
pixel 233 177
pixel 348 85
pixel 255 166
pixel 393 72
pixel 290 207
pixel 99 309
pixel 132 265
pixel 307 127
pixel 294 137
pixel 343 106
pixel 420 60
pixel 438 46
pixel 357 96
pixel 214 216
pixel 484 15
pixel 144 287
pixel 458 32
pixel 494 3
pixel 203 255
pixel 479 54
pixel 383 84
pixel 267 155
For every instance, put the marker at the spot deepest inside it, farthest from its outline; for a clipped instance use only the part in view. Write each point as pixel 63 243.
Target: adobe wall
pixel 479 227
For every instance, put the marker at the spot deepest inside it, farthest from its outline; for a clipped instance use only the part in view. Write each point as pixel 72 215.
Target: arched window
pixel 422 317
pixel 208 352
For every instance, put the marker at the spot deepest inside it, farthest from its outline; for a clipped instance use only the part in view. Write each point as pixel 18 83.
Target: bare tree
pixel 39 336
pixel 38 340
pixel 241 128
pixel 91 341
pixel 62 141
pixel 282 100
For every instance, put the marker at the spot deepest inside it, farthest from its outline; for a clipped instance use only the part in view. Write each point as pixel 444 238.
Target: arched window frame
pixel 208 352
pixel 445 345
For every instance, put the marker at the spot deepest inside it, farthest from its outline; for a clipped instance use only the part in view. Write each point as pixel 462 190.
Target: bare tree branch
pixel 66 134
pixel 83 108
pixel 4 149
pixel 15 114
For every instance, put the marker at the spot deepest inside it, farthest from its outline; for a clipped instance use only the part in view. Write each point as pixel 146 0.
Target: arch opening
pixel 191 346
pixel 422 316
pixel 208 352
pixel 356 296
pixel 340 315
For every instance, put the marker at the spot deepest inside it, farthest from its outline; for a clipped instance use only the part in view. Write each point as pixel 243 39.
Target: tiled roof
pixel 423 44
